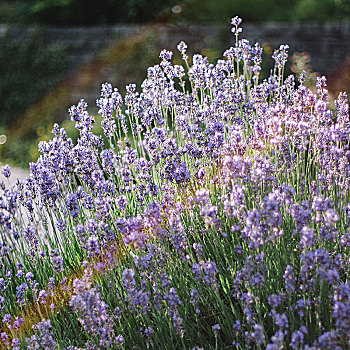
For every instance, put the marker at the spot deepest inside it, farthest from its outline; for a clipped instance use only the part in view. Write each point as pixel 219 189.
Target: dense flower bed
pixel 224 198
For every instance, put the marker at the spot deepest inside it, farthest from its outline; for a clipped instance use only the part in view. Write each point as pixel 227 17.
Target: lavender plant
pixel 213 213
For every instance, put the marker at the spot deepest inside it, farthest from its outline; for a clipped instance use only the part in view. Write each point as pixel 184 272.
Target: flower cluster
pixel 215 208
pixel 93 312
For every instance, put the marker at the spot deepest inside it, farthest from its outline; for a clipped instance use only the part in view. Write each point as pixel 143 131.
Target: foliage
pixel 188 11
pixel 92 11
pixel 29 69
pixel 266 10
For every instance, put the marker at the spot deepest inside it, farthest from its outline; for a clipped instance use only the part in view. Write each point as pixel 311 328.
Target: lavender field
pixel 213 213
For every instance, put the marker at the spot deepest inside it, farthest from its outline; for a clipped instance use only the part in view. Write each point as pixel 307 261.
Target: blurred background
pixel 55 52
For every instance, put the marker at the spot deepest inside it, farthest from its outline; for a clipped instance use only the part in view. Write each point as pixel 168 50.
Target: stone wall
pixel 327 44
pixel 82 43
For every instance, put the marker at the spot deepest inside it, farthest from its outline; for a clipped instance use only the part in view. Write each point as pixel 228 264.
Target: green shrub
pixel 29 69
pixel 266 10
pixel 91 11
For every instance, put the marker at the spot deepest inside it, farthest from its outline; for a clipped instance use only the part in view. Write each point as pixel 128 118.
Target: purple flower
pixel 72 204
pixel 119 340
pixel 15 344
pixel 122 202
pixel 6 171
pixel 216 328
pixel 307 238
pixel 329 340
pixel 198 248
pixel 172 298
pixel 237 328
pixel 275 300
pixel 210 271
pixel 277 341
pixel 289 278
pixel 93 246
pixel 148 332
pixel 17 323
pixel 20 293
pixel 129 278
pixel 256 336
pixel 236 21
pixel 181 173
pixel 177 324
pixel 182 47
pixel 301 305
pixel 42 296
pixel 331 217
pixel 93 313
pixel 4 337
pixel 280 56
pixel 332 276
pixel 194 296
pixel 44 336
pixel 7 318
pixel 298 338
pixel 57 261
pixel 196 270
pixel 281 321
pixel 166 55
pixel 61 225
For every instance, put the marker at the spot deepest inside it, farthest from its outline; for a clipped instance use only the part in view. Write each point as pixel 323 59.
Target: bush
pixel 92 11
pixel 266 10
pixel 29 69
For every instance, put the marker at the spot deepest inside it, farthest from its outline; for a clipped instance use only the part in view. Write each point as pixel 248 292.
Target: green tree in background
pixel 21 64
pixel 94 11
pixel 89 12
pixel 265 10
